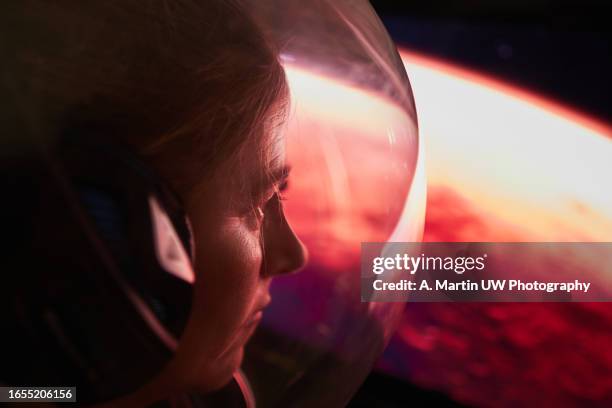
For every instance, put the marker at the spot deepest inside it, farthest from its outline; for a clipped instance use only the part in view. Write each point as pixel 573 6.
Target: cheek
pixel 228 268
pixel 228 264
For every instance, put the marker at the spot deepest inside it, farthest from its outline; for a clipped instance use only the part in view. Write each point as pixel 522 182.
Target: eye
pixel 268 203
pixel 281 189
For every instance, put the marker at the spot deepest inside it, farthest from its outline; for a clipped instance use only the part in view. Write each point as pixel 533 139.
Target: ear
pixel 169 249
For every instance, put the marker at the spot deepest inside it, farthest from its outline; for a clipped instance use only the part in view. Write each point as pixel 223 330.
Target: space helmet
pixel 100 280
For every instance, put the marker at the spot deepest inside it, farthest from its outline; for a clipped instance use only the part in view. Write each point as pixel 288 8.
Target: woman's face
pixel 242 240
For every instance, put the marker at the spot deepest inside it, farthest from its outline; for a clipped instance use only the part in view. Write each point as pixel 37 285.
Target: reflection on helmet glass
pixel 353 147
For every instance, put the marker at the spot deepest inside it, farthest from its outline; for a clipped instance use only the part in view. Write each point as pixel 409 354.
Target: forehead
pixel 256 162
pixel 266 153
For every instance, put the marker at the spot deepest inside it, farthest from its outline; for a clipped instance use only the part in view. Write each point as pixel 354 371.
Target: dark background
pixel 559 49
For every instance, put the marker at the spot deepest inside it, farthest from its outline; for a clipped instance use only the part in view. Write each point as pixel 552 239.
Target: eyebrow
pixel 276 176
pixel 279 174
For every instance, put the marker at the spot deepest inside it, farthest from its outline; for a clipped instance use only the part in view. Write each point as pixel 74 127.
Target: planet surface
pixel 505 165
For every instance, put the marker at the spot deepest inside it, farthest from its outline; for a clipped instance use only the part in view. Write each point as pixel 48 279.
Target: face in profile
pixel 242 241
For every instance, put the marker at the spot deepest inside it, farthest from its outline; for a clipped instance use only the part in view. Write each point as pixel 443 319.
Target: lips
pixel 254 319
pixel 257 314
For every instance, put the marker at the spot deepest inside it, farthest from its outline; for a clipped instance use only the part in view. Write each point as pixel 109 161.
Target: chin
pixel 222 370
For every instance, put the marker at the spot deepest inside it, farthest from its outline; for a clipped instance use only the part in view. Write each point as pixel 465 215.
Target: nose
pixel 283 251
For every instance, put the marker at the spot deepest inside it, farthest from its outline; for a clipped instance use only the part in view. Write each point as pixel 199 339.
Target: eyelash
pixel 258 211
pixel 282 188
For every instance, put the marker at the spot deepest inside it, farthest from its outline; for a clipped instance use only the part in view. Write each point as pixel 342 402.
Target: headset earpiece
pixel 106 279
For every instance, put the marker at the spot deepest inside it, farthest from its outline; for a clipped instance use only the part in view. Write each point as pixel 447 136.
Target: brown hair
pixel 184 82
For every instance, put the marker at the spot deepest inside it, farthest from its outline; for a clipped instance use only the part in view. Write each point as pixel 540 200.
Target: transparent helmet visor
pixel 356 176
